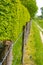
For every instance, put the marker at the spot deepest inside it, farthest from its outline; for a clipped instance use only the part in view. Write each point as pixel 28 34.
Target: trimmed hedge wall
pixel 13 15
pixel 31 6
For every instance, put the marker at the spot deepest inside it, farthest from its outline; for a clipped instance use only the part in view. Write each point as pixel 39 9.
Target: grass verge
pixel 34 48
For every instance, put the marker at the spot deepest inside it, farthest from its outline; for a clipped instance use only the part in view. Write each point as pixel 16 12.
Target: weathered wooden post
pixel 2 48
pixel 23 43
pixel 5 56
pixel 9 57
pixel 8 44
pixel 26 31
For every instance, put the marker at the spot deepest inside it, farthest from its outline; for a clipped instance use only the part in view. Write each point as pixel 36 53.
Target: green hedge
pixel 31 6
pixel 13 15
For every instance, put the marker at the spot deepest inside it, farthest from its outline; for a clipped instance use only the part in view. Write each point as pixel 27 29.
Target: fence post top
pixel 7 42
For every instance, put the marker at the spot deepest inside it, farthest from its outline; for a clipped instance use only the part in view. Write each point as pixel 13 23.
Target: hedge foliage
pixel 13 15
pixel 31 6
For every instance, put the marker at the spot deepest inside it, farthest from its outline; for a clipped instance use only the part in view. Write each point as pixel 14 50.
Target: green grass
pixel 40 22
pixel 35 46
pixel 17 53
pixel 38 46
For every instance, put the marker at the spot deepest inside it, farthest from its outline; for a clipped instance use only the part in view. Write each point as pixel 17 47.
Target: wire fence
pixel 13 46
pixel 18 47
pixel 5 56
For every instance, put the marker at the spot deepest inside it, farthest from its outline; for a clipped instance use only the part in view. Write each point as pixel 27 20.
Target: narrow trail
pixel 38 27
pixel 41 31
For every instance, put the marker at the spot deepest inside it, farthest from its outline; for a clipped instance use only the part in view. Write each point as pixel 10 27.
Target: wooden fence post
pixel 7 44
pixel 23 43
pixel 26 31
pixel 9 57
